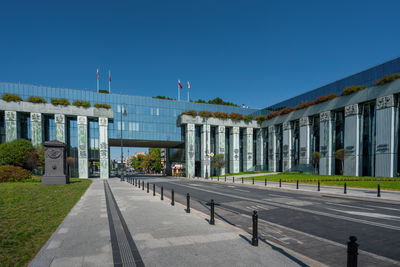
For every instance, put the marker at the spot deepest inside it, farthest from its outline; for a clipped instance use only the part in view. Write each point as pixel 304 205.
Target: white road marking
pixel 242 190
pixel 368 214
pixel 383 208
pixel 349 206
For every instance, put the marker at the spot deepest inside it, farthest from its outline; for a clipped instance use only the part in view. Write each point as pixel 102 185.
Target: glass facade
pixel 72 146
pixel 49 129
pixel 368 139
pixel 24 127
pixel 2 127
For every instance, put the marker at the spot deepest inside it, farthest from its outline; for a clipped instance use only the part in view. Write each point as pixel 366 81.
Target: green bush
pixel 15 152
pixel 9 173
pixel 34 159
pixel 286 110
pixel 248 118
pixel 305 104
pixel 387 79
pixel 261 119
pixel 163 97
pixel 325 98
pixel 36 99
pixel 352 89
pixel 60 101
pixel 81 103
pixel 11 98
pixel 221 115
pixel 236 116
pixel 102 91
pixel 205 114
pixel 190 112
pixel 106 106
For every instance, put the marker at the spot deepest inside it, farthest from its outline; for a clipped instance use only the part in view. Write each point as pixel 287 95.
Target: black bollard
pixel 345 188
pixel 379 191
pixel 319 186
pixel 212 220
pixel 172 197
pixel 162 193
pixel 187 203
pixel 297 184
pixel 280 182
pixel 233 179
pixel 142 185
pixel 352 252
pixel 254 240
pixel 147 187
pixel 154 189
pixel 253 180
pixel 265 182
pixel 242 180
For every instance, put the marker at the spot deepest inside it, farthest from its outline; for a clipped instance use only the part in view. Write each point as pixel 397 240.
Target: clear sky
pixel 254 52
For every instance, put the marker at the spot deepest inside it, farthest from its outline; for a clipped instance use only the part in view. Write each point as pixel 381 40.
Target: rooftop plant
pixel 248 118
pixel 205 114
pixel 387 79
pixel 221 115
pixel 261 119
pixel 163 97
pixel 11 97
pixel 325 98
pixel 305 104
pixel 106 106
pixel 352 89
pixel 102 91
pixel 60 101
pixel 190 112
pixel 236 116
pixel 36 99
pixel 286 110
pixel 81 103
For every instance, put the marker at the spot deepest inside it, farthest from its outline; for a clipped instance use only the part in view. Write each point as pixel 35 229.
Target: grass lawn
pixel 334 180
pixel 29 213
pixel 242 173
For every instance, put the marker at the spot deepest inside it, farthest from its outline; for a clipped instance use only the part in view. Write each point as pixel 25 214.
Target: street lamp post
pixel 123 112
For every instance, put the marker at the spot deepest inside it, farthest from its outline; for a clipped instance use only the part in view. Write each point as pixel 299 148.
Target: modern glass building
pixel 365 124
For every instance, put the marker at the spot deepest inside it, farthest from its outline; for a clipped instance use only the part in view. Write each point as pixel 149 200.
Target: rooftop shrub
pixel 190 113
pixel 248 118
pixel 11 97
pixel 387 79
pixel 286 110
pixel 236 116
pixel 221 115
pixel 105 106
pixel 261 119
pixel 325 98
pixel 102 91
pixel 163 97
pixel 81 103
pixel 60 101
pixel 36 99
pixel 352 89
pixel 10 173
pixel 305 104
pixel 205 114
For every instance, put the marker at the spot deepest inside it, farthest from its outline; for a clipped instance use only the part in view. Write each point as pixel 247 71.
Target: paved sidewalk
pixel 159 234
pixel 370 194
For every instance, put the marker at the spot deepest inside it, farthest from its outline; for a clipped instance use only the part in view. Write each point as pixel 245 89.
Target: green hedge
pixel 60 101
pixel 236 116
pixel 36 99
pixel 15 152
pixel 248 118
pixel 387 79
pixel 81 103
pixel 353 89
pixel 11 97
pixel 190 112
pixel 221 115
pixel 205 114
pixel 9 173
pixel 102 91
pixel 106 106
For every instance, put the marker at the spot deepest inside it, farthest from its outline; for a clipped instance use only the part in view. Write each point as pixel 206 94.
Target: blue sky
pixel 252 52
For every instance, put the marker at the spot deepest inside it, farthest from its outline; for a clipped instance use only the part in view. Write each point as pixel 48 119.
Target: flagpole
pixel 97 80
pixel 188 94
pixel 109 82
pixel 179 94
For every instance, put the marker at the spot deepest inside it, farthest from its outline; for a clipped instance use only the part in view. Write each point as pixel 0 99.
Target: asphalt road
pixel 317 226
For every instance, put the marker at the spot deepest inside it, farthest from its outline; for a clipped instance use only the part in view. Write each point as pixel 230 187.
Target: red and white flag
pixel 97 74
pixel 179 83
pixel 188 85
pixel 109 76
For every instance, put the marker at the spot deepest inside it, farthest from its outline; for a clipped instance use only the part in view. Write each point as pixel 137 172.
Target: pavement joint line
pixel 125 252
pixel 298 209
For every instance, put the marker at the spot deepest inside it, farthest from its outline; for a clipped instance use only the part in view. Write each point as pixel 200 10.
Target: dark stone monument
pixel 54 163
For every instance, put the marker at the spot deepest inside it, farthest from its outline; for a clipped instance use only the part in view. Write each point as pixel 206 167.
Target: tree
pixel 156 159
pixel 219 162
pixel 341 154
pixel 315 157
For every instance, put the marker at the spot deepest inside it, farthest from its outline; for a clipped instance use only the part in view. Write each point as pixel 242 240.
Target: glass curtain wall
pixel 72 146
pixel 49 128
pixel 255 149
pixel 2 128
pixel 279 148
pixel 339 138
pixel 241 132
pixel 266 148
pixel 212 150
pixel 197 138
pixel 227 149
pixel 24 127
pixel 94 149
pixel 368 139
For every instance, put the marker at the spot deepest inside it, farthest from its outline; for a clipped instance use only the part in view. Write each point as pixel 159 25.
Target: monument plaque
pixel 54 163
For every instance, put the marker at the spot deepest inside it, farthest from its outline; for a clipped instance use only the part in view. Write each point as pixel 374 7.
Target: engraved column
pixel 11 125
pixel 260 149
pixel 326 161
pixel 220 144
pixel 248 149
pixel 205 150
pixel 36 129
pixel 234 150
pixel 83 147
pixel 60 123
pixel 190 150
pixel 271 148
pixel 287 145
pixel 104 159
pixel 305 138
pixel 352 142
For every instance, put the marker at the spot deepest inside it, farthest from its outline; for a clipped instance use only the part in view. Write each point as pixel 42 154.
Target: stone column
pixel 352 141
pixel 386 136
pixel 220 144
pixel 234 150
pixel 103 139
pixel 260 149
pixel 248 149
pixel 190 150
pixel 36 129
pixel 83 147
pixel 271 148
pixel 60 123
pixel 205 150
pixel 305 140
pixel 326 163
pixel 287 145
pixel 11 125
